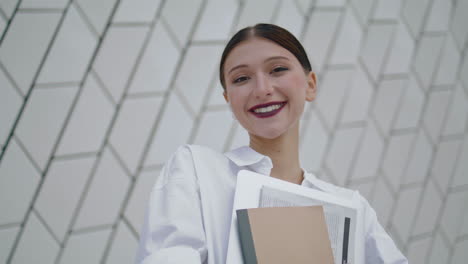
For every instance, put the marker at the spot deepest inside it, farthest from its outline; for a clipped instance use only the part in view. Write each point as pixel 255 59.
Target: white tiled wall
pixel 95 96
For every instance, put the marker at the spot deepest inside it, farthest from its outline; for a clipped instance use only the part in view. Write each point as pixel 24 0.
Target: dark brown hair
pixel 271 32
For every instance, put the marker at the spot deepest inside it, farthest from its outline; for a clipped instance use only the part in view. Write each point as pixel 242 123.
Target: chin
pixel 267 134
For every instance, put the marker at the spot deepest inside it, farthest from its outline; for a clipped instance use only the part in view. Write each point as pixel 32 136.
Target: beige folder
pixel 292 235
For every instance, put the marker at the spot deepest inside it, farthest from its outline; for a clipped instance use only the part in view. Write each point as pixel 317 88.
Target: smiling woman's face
pixel 266 87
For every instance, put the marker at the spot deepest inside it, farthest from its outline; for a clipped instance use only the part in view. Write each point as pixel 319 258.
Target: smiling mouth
pixel 267 110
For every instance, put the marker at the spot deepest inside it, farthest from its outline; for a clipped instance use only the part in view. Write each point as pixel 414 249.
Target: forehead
pixel 255 50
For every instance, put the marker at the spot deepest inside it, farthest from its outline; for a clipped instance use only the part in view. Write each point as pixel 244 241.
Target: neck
pixel 283 152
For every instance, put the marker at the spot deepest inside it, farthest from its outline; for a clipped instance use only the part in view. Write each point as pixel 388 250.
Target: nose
pixel 263 87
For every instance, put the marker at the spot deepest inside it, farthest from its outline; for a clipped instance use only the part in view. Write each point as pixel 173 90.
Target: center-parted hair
pixel 271 32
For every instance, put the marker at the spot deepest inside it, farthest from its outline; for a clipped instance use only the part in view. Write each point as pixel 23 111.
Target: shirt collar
pixel 247 157
pixel 310 180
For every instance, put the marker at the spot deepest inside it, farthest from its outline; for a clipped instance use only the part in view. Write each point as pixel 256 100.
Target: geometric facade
pixel 96 95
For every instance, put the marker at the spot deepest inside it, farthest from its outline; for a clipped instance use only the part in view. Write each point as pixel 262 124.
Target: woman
pixel 267 78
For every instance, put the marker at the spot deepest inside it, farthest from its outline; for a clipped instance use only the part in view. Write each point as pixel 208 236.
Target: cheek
pixel 238 93
pixel 236 101
pixel 295 86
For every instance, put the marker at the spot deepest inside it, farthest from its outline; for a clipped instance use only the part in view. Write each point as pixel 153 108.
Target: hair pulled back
pixel 271 32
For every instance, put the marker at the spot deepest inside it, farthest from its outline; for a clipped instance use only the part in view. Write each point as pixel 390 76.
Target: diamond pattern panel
pixel 96 95
pixel 94 111
pixel 216 21
pixel 7 238
pixel 439 251
pixel 289 17
pixel 75 43
pixel 136 11
pixel 411 106
pixel 358 98
pixel 170 134
pixel 314 144
pixel 383 201
pixel 156 68
pixel 180 16
pixel 404 213
pixel 11 103
pixel 435 113
pixel 124 247
pixel 332 94
pixel 376 44
pixel 396 158
pixel 418 164
pixel 119 49
pixel 85 247
pixel 65 179
pixel 449 63
pixel 444 162
pixel 363 9
pixel 439 16
pixel 387 9
pixel 22 51
pixel 460 31
pixel 98 209
pixel 8 7
pixel 414 12
pixel 19 179
pixel 29 250
pixel 42 121
pixel 43 3
pixel 342 151
pixel 460 178
pixel 214 128
pixel 426 60
pixel 428 211
pixel 418 249
pixel 453 213
pixel 194 80
pixel 370 154
pixel 402 49
pixel 457 113
pixel 257 11
pixel 132 129
pixel 319 35
pixel 387 102
pixel 96 13
pixel 137 203
pixel 348 41
pixel 2 24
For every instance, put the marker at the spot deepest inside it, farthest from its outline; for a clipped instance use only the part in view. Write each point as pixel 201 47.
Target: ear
pixel 311 91
pixel 226 96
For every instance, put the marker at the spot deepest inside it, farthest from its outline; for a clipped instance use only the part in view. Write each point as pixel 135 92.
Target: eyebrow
pixel 267 60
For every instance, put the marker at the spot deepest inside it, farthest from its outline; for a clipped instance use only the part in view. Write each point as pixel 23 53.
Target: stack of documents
pixel 259 191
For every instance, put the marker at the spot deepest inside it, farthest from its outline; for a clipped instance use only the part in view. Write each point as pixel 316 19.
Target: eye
pixel 240 79
pixel 279 69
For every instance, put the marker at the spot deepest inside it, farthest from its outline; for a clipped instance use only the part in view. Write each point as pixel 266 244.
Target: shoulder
pixel 202 150
pixel 327 187
pixel 195 157
pixel 368 213
pixel 202 155
pixel 189 152
pixel 179 167
pixel 342 192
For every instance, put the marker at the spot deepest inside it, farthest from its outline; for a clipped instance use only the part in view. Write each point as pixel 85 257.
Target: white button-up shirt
pixel 190 208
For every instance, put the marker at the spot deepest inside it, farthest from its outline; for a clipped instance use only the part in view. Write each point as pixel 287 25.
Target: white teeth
pixel 267 109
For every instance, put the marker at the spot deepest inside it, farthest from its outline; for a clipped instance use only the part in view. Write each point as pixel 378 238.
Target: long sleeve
pixel 380 247
pixel 173 230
